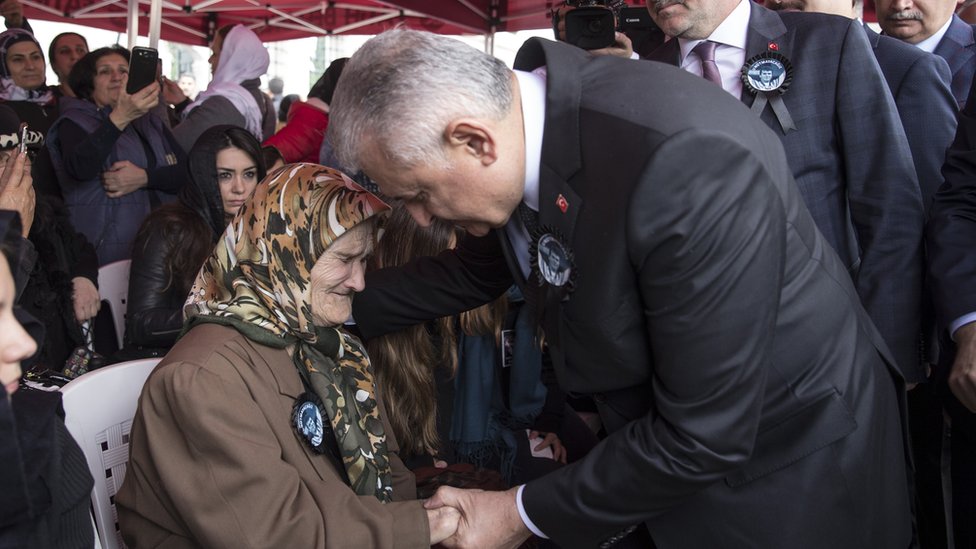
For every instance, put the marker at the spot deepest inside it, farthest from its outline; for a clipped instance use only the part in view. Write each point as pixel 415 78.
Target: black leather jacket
pixel 154 315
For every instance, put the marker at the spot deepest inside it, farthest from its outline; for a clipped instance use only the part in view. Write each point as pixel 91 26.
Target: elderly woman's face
pixel 338 274
pixel 26 65
pixel 109 72
pixel 15 344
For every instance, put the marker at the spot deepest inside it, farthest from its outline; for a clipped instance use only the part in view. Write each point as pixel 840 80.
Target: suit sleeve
pixel 928 114
pixel 952 225
pixel 221 469
pixel 707 240
pixel 452 282
pixel 884 200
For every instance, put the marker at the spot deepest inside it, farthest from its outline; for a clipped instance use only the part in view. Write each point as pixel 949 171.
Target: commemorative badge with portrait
pixel 307 417
pixel 768 76
pixel 552 261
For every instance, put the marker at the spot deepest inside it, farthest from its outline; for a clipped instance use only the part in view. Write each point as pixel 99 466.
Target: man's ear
pixel 474 138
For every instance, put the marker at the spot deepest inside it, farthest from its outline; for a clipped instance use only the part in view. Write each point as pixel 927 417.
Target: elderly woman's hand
pixel 131 107
pixel 84 297
pixel 122 178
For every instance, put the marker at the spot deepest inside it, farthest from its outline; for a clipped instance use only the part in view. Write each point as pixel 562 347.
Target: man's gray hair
pixel 399 91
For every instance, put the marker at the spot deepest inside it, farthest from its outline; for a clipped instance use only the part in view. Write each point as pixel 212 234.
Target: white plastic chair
pixel 113 287
pixel 99 407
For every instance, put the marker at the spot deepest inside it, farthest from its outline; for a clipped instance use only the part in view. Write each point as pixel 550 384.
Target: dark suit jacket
pixel 721 336
pixel 958 48
pixel 920 85
pixel 851 161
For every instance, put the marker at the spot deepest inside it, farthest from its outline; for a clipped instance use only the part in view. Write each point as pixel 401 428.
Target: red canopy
pixel 194 21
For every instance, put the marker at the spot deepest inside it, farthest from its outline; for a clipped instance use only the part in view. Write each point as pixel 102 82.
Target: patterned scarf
pixel 10 91
pixel 258 280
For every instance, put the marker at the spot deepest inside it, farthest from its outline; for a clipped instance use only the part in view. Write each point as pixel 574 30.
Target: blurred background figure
pixel 65 50
pixel 300 139
pixel 188 85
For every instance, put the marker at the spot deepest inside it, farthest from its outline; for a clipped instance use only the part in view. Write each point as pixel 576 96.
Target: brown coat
pixel 215 461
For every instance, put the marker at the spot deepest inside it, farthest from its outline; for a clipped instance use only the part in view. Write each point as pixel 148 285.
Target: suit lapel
pixel 957 46
pixel 765 28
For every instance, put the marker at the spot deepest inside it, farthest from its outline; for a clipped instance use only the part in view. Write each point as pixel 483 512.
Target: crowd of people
pixel 752 268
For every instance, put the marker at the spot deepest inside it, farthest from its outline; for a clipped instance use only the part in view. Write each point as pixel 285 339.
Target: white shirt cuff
pixel 633 55
pixel 959 322
pixel 525 518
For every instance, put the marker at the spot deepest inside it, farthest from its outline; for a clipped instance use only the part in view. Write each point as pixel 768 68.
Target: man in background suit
pixel 920 84
pixel 845 145
pixel 952 269
pixel 718 332
pixel 932 26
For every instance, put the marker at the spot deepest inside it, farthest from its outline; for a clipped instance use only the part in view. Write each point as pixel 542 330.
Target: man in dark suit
pixel 842 136
pixel 932 26
pixel 952 269
pixel 721 337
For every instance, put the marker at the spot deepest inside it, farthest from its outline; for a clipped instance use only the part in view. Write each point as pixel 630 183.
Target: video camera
pixel 592 25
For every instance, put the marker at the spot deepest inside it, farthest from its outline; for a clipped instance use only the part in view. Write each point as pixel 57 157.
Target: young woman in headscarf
pixel 225 165
pixel 262 426
pixel 234 96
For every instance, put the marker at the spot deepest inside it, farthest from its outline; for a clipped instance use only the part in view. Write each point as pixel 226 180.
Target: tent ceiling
pixel 193 21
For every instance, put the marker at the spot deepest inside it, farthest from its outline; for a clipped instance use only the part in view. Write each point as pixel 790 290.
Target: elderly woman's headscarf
pixel 10 91
pixel 258 280
pixel 242 57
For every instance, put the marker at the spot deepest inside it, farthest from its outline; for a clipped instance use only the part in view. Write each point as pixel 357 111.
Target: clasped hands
pixel 475 518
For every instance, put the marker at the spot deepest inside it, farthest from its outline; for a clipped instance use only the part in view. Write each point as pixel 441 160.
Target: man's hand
pixel 622 47
pixel 962 378
pixel 549 440
pixel 12 12
pixel 443 523
pixel 17 189
pixel 131 107
pixel 122 178
pixel 84 297
pixel 488 519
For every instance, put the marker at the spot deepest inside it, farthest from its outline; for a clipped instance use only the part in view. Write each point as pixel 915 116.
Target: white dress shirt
pixel 932 42
pixel 730 54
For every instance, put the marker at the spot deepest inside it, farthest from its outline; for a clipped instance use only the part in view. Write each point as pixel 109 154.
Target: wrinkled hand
pixel 131 107
pixel 84 297
pixel 550 440
pixel 12 12
pixel 622 47
pixel 487 519
pixel 962 378
pixel 172 94
pixel 443 523
pixel 17 189
pixel 122 178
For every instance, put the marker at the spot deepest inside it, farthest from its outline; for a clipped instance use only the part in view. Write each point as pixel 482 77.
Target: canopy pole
pixel 132 23
pixel 155 22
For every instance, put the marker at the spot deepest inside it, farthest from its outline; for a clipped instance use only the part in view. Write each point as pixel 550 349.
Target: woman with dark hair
pixel 225 164
pixel 300 139
pixel 114 163
pixel 234 95
pixel 65 50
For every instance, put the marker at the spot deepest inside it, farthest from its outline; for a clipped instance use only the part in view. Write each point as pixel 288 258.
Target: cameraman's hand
pixel 622 47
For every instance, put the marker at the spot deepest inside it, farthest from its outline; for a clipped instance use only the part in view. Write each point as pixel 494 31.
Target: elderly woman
pixel 262 427
pixel 234 95
pixel 225 165
pixel 114 162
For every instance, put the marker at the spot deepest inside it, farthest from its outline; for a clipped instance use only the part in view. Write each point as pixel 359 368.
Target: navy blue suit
pixel 851 161
pixel 958 47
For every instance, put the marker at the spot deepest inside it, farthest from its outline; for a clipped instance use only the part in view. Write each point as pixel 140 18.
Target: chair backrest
pixel 113 287
pixel 99 407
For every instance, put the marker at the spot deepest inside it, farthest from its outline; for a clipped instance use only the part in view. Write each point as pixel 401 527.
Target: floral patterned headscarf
pixel 258 280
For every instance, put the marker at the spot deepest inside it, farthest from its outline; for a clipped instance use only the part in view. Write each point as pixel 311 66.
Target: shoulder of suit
pixel 819 23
